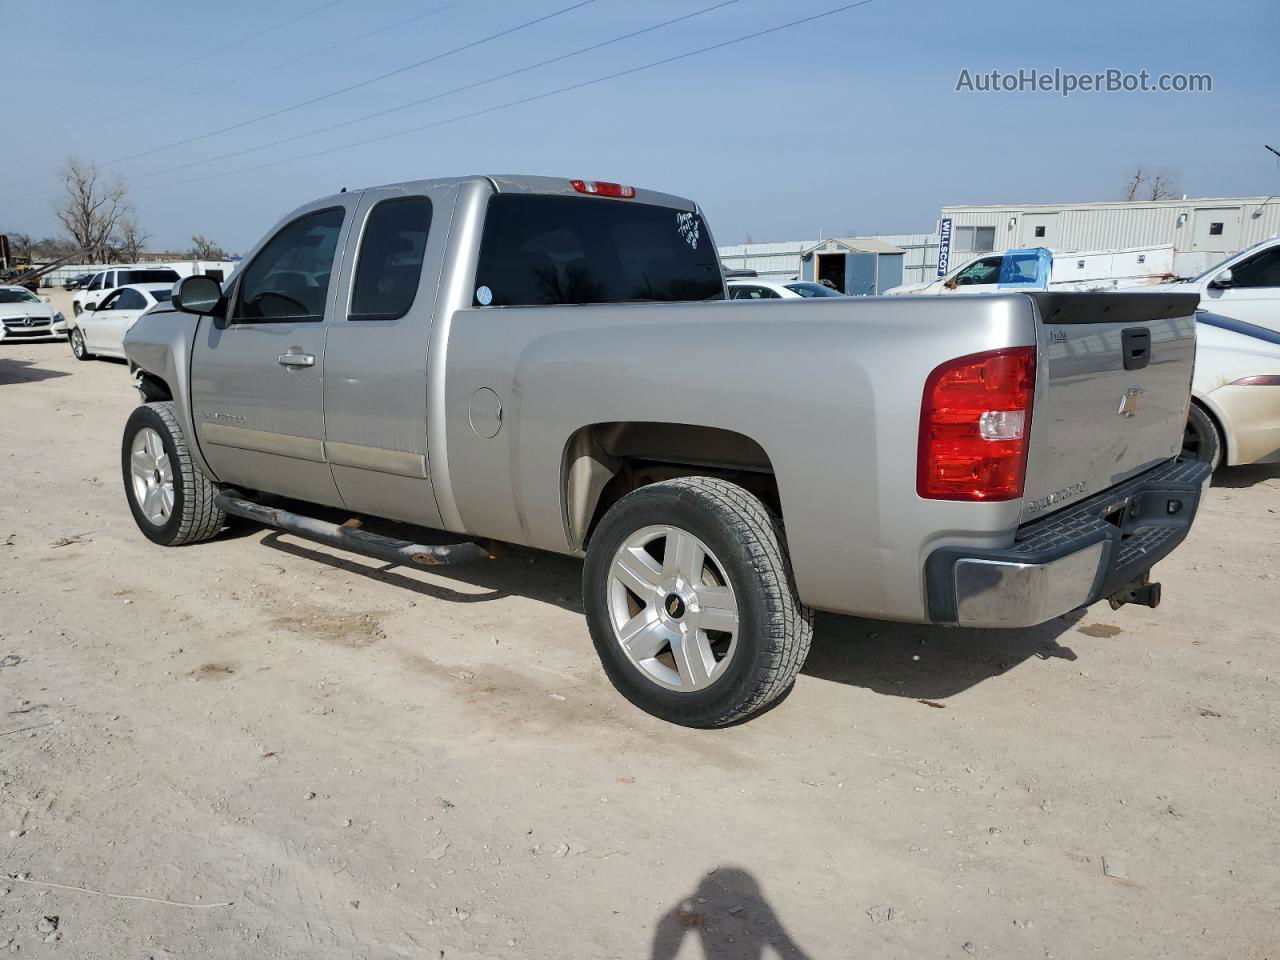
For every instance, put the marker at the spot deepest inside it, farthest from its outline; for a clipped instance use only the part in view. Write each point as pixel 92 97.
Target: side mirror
pixel 1223 280
pixel 198 295
pixel 90 306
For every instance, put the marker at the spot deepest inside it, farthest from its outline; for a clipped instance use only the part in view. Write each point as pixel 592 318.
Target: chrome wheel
pixel 152 476
pixel 672 608
pixel 77 342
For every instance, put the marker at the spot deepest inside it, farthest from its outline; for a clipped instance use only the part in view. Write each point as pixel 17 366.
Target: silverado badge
pixel 1129 402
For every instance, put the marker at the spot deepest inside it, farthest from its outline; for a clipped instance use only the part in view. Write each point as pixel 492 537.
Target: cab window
pixel 986 270
pixel 390 261
pixel 289 278
pixel 96 282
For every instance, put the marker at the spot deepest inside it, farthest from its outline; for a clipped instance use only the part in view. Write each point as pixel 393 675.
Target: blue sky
pixel 850 124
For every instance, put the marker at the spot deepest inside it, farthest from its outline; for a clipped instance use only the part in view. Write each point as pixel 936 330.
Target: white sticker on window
pixel 687 227
pixel 484 296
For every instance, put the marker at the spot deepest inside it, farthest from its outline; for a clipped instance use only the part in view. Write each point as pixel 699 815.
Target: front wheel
pixel 78 349
pixel 171 500
pixel 691 603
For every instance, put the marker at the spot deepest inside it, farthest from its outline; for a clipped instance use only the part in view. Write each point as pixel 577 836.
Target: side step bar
pixel 349 536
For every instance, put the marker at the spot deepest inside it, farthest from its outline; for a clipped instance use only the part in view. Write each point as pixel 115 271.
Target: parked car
pixel 104 281
pixel 100 330
pixel 1243 287
pixel 26 316
pixel 75 283
pixel 551 363
pixel 1235 408
pixel 778 290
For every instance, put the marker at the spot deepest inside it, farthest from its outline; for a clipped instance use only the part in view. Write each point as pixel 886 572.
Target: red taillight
pixel 602 188
pixel 1260 380
pixel 974 423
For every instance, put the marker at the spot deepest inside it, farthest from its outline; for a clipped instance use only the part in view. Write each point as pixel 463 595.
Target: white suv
pixel 104 281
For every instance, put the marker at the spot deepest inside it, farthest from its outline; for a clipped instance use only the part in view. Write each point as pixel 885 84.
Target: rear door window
pixel 539 250
pixel 289 278
pixel 131 300
pixel 390 260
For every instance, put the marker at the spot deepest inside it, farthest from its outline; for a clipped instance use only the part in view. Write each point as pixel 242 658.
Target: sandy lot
pixel 298 753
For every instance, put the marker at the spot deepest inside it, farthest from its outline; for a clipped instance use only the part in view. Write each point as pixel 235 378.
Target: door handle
pixel 296 360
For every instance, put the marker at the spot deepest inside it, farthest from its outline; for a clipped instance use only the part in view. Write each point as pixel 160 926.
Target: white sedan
pixel 24 316
pixel 1235 408
pixel 100 330
pixel 753 289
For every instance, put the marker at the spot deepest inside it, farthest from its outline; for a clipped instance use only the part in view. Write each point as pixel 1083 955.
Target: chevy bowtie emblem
pixel 1129 402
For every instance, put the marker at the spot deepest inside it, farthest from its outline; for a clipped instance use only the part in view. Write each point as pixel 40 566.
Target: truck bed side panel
pixel 831 391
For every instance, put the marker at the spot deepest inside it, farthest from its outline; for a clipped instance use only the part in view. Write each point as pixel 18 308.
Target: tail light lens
pixel 602 188
pixel 975 421
pixel 1261 380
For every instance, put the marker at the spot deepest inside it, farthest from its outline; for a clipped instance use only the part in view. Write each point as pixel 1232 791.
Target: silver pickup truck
pixel 553 363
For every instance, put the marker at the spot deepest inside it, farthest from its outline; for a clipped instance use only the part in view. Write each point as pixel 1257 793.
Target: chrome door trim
pixel 378 459
pixel 261 441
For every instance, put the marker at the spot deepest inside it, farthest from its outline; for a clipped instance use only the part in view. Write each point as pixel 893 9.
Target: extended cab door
pixel 257 372
pixel 375 385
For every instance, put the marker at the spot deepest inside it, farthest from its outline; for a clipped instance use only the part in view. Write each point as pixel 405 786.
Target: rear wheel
pixel 77 309
pixel 78 349
pixel 1201 439
pixel 691 603
pixel 171 500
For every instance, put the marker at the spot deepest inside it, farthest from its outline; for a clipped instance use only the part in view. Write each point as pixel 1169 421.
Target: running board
pixel 349 536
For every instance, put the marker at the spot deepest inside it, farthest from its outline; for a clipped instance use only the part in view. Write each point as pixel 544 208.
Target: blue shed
pixel 860 266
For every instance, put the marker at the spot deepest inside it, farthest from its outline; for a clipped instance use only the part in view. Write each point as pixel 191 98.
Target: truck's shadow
pixel 895 659
pixel 924 662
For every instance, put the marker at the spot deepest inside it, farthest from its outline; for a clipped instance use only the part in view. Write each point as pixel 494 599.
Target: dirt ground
pixel 297 753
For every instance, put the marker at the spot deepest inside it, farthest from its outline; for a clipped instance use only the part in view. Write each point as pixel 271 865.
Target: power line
pixel 530 99
pixel 355 86
pixel 342 44
pixel 228 46
pixel 438 96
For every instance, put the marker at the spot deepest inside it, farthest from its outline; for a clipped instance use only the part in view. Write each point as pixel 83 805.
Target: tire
pixel 190 516
pixel 730 673
pixel 1201 440
pixel 77 309
pixel 78 350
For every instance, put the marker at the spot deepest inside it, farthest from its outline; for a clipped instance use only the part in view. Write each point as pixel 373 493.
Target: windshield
pixel 126 277
pixel 813 290
pixel 541 249
pixel 18 296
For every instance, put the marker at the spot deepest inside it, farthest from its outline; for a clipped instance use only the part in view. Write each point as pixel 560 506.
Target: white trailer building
pixel 1202 230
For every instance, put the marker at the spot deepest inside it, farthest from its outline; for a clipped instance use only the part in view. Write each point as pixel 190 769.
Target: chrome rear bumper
pixel 1070 559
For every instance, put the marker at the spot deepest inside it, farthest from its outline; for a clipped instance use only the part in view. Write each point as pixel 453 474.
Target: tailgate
pixel 1112 387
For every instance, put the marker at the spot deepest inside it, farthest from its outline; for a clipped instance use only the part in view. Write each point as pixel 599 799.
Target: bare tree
pixel 1149 184
pixel 93 207
pixel 130 238
pixel 202 248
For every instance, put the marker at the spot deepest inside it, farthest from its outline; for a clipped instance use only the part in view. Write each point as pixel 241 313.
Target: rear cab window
pixel 538 250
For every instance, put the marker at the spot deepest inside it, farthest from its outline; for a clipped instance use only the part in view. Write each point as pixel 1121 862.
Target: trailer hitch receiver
pixel 1141 591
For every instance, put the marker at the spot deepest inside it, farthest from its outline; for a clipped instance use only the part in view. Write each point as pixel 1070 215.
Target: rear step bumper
pixel 1097 548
